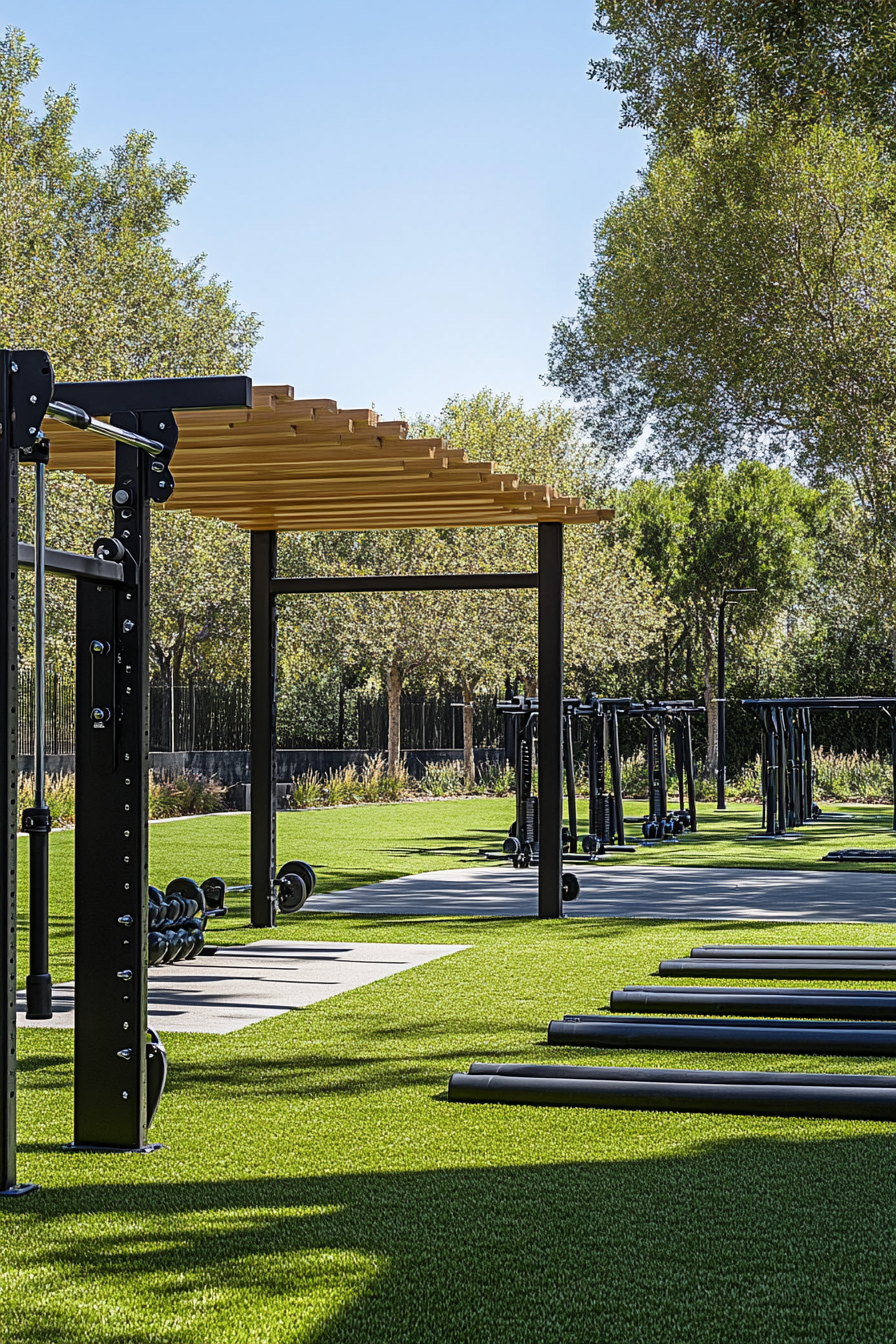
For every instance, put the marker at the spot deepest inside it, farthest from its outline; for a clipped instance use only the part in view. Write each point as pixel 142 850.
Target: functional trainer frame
pixel 112 747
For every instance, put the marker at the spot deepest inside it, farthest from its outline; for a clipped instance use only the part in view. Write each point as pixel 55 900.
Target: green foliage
pixel 186 794
pixel 84 269
pixel 59 795
pixel 86 273
pixel 742 301
pixel 709 64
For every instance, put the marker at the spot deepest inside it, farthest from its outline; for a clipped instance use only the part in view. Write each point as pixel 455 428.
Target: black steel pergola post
pixel 550 720
pixel 9 635
pixel 263 767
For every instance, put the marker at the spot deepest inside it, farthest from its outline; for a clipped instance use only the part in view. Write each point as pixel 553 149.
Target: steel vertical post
pixel 550 720
pixel 263 743
pixel 721 749
pixel 36 820
pixel 9 632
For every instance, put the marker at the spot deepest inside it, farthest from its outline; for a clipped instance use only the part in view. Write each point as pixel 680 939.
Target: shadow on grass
pixel 738 1241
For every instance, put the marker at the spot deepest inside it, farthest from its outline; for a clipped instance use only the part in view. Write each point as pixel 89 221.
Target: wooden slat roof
pixel 306 466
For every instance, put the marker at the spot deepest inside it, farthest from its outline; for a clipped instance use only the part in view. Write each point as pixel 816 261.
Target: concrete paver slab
pixel 242 985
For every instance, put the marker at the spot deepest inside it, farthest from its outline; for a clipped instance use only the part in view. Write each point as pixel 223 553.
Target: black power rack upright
pixel 114 1091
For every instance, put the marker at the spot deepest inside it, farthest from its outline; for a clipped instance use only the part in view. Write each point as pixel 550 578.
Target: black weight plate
pixel 299 868
pixel 291 893
pixel 214 890
pixel 187 889
pixel 157 945
pixel 155 896
pixel 571 886
pixel 177 908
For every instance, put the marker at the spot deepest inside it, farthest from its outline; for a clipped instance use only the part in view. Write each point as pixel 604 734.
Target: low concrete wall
pixel 232 767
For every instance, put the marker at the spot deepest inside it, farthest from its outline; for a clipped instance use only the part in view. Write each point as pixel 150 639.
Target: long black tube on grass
pixel 816 952
pixel 757 1079
pixel 763 1005
pixel 774 1023
pixel 785 1038
pixel 780 969
pixel 845 1103
pixel 847 995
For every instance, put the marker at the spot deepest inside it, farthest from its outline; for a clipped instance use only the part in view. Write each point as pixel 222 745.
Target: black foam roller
pixel 816 952
pixel 847 995
pixel 826 1023
pixel 688 1075
pixel 786 1038
pixel 781 970
pixel 851 1103
pixel 768 1005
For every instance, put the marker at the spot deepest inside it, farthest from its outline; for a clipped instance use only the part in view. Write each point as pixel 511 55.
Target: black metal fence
pixel 214 716
pixel 59 737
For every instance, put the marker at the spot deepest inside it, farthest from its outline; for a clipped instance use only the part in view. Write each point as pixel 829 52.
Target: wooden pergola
pixel 307 466
pixel 288 465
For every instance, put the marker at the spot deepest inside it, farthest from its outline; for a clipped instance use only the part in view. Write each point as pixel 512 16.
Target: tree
pixel 611 610
pixel 86 273
pixel 685 65
pixel 707 531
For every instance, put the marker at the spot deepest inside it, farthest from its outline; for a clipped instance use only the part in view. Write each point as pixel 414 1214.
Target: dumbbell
pixel 294 883
pixel 176 922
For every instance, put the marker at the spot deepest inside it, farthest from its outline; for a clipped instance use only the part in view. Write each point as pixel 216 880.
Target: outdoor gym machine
pixel 660 717
pixel 787 771
pixel 606 821
pixel 523 841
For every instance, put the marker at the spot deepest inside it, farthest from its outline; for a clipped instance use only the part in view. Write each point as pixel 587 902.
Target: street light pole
pixel 727 595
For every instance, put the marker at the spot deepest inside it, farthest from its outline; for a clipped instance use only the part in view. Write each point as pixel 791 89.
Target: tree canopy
pixel 685 65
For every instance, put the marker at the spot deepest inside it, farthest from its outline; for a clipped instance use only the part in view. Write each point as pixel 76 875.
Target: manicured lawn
pixel 316 1185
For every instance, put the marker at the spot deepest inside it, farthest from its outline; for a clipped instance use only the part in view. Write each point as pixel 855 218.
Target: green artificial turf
pixel 317 1187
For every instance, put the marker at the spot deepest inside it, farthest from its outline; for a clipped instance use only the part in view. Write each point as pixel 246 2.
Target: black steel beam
pixel 792 952
pixel 747 1004
pixel 263 765
pixel 158 394
pixel 550 720
pixel 73 566
pixel 404 583
pixel 779 969
pixel 9 652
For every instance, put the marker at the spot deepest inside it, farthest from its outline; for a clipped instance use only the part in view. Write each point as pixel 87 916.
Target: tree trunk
pixel 394 694
pixel 469 760
pixel 531 685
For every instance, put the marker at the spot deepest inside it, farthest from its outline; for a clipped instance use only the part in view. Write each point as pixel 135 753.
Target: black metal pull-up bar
pixel 76 418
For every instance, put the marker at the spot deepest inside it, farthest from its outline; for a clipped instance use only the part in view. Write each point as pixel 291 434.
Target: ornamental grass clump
pixel 59 793
pixel 184 795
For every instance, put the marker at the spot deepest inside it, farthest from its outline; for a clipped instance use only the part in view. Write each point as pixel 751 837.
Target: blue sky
pixel 404 192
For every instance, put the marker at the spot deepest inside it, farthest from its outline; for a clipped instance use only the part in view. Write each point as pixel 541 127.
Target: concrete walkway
pixel 249 983
pixel 632 892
